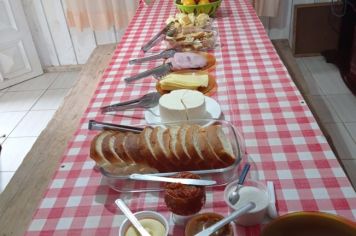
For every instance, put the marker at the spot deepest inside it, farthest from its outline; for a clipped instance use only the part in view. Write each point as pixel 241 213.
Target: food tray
pixel 122 183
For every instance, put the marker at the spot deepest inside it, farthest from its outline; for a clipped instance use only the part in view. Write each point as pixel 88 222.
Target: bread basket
pixel 222 176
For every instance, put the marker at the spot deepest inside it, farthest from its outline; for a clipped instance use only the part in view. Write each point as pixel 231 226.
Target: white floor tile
pixel 343 142
pixel 345 106
pixel 313 87
pixel 351 127
pixel 350 166
pixel 33 124
pixel 9 120
pixel 65 80
pixel 39 83
pixel 19 101
pixel 327 75
pixel 51 99
pixel 5 178
pixel 323 108
pixel 14 151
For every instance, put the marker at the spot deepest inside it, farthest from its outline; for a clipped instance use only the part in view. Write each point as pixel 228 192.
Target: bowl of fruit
pixel 198 6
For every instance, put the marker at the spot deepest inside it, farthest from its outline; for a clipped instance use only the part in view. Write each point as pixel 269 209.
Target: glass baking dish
pixel 122 183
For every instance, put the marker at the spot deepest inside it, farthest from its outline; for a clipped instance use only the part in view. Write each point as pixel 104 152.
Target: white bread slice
pixel 173 139
pixel 109 150
pixel 159 150
pixel 119 148
pixel 182 151
pixel 195 150
pixel 221 144
pixel 166 139
pixel 207 151
pixel 146 150
pixel 132 149
pixel 96 152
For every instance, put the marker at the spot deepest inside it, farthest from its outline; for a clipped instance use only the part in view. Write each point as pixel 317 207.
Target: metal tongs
pixel 167 30
pixel 96 125
pixel 157 73
pixel 163 55
pixel 146 101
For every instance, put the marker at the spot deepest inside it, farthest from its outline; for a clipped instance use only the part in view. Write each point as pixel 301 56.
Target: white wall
pixel 56 43
pixel 281 27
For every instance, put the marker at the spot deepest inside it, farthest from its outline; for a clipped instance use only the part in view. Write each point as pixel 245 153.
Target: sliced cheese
pixel 192 81
pixel 182 104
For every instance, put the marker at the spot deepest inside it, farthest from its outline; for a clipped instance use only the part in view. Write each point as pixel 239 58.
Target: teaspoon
pixel 234 196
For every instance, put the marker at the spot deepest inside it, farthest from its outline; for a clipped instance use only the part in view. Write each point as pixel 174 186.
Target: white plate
pixel 213 109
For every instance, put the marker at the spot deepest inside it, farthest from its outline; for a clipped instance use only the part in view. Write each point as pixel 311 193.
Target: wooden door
pixel 18 57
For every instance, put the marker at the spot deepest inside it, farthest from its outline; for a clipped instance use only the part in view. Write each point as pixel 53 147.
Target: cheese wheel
pixel 182 104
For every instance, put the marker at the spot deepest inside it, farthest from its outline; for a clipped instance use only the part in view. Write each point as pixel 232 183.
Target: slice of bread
pixel 194 149
pixel 220 143
pixel 182 151
pixel 159 149
pixel 131 147
pixel 96 152
pixel 119 148
pixel 166 139
pixel 183 160
pixel 108 150
pixel 147 152
pixel 207 151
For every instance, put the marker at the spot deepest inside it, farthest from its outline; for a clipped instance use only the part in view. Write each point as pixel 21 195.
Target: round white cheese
pixel 182 104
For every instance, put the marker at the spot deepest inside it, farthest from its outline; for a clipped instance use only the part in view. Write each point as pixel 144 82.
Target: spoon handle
pixel 244 173
pixel 131 217
pixel 249 206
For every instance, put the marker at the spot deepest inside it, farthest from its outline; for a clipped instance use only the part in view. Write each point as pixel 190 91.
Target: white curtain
pixel 266 7
pixel 100 14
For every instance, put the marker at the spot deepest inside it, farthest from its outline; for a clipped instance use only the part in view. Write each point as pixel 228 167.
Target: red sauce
pixel 184 199
pixel 205 220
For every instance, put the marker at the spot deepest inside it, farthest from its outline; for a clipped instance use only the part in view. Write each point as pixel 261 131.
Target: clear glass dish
pixel 222 176
pixel 189 42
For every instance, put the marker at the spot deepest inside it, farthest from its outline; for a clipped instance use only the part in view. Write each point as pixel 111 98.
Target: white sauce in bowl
pixel 252 194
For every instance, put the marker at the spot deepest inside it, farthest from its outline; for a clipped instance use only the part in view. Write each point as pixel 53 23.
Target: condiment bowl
pixel 309 224
pixel 204 220
pixel 258 194
pixel 144 215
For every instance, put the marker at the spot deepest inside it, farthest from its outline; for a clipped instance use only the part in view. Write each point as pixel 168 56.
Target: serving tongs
pixel 96 125
pixel 146 101
pixel 163 55
pixel 167 30
pixel 157 73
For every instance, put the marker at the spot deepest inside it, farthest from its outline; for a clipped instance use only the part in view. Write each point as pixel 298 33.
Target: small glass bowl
pixel 256 215
pixel 145 215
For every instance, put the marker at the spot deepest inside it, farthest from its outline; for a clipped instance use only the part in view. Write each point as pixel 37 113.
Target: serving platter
pixel 207 91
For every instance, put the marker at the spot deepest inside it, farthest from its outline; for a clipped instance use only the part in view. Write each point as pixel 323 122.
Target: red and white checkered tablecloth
pixel 256 94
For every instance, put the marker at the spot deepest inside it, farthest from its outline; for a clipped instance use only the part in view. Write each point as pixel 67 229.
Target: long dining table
pixel 256 94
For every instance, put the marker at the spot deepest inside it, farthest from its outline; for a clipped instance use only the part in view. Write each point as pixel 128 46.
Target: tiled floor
pixel 336 107
pixel 25 110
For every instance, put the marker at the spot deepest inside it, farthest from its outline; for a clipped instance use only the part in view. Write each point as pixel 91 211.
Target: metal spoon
pixel 120 203
pixel 218 225
pixel 147 101
pixel 234 195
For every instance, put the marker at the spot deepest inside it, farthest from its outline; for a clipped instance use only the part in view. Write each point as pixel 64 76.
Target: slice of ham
pixel 187 60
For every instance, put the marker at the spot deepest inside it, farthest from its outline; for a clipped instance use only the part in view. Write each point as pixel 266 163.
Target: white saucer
pixel 213 109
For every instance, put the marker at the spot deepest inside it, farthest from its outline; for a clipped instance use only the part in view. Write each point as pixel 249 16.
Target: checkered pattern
pixel 256 94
